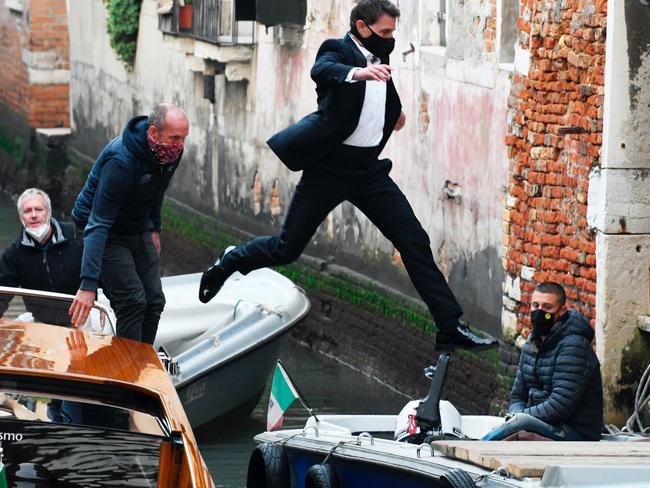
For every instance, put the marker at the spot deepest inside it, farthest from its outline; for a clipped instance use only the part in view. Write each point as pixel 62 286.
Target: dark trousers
pixel 131 280
pixel 524 422
pixel 355 175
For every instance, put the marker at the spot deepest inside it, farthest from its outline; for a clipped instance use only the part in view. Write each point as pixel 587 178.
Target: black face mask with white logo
pixel 377 45
pixel 542 321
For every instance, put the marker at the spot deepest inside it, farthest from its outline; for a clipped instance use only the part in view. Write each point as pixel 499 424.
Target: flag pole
pixel 300 395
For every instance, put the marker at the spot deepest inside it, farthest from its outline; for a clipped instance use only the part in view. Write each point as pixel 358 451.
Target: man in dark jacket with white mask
pixel 46 256
pixel 558 391
pixel 119 210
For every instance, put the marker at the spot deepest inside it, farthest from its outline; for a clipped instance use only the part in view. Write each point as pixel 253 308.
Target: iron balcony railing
pixel 213 21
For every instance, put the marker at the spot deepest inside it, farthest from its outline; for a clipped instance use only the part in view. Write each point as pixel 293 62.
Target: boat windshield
pixel 79 443
pixel 24 305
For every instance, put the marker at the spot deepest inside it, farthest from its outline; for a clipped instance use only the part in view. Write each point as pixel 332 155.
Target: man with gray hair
pixel 45 256
pixel 119 213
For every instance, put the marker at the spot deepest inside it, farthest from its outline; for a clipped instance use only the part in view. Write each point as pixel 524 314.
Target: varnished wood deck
pixel 48 351
pixel 529 458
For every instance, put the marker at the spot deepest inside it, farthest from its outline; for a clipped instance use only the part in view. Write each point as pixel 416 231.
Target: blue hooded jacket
pixel 559 379
pixel 123 195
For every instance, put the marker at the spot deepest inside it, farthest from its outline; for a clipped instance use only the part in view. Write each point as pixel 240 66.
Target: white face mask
pixel 38 233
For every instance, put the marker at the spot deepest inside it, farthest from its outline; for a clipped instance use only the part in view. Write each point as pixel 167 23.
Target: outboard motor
pixel 417 424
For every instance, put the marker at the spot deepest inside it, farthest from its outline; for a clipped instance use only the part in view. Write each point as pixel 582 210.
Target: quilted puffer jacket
pixel 559 380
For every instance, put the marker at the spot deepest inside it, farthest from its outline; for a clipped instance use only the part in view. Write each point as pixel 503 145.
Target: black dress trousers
pixel 356 175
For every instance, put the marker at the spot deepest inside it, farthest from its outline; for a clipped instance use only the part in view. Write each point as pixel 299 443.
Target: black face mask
pixel 542 321
pixel 376 44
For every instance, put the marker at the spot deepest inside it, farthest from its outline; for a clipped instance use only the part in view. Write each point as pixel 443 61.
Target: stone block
pixel 46 60
pixel 52 137
pixel 527 273
pixel 512 288
pixel 15 5
pixel 521 340
pixel 48 76
pixel 223 54
pixel 618 201
pixel 643 322
pixel 238 71
pixel 509 325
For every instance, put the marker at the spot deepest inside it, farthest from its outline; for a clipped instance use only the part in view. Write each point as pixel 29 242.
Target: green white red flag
pixel 283 394
pixel 3 475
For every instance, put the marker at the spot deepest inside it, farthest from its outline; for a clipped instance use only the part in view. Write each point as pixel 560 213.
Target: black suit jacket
pixel 315 136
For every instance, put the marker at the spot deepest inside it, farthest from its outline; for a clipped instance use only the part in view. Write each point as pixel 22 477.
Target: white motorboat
pixel 220 354
pixel 429 444
pixel 223 352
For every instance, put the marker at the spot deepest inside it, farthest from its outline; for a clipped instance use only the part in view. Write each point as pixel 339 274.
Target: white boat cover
pixel 185 320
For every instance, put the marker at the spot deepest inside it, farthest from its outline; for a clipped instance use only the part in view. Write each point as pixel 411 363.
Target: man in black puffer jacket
pixel 558 391
pixel 46 256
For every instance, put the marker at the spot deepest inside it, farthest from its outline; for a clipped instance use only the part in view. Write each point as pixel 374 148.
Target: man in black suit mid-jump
pixel 337 147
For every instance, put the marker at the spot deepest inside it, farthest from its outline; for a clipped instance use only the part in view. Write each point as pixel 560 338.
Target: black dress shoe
pixel 213 279
pixel 461 336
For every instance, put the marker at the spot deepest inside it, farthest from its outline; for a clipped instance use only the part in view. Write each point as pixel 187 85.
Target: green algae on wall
pixel 205 231
pixel 13 146
pixel 635 359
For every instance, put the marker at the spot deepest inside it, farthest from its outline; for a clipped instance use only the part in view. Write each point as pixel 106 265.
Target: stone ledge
pixel 201 56
pixel 643 323
pixel 15 5
pixel 53 136
pixel 48 76
pixel 223 54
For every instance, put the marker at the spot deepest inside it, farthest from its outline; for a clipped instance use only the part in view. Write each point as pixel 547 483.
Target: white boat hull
pixel 226 349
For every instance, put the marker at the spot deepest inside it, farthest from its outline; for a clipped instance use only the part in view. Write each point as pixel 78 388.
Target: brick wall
pixel 35 59
pixel 546 236
pixel 48 35
pixel 49 105
pixel 14 89
pixel 397 353
pixel 490 29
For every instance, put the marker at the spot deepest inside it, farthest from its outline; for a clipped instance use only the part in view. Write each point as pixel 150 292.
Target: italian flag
pixel 3 475
pixel 283 394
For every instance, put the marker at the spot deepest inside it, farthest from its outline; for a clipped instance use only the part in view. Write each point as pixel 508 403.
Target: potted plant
pixel 185 15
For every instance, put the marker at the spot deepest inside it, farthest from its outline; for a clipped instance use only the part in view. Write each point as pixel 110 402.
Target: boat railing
pixel 106 315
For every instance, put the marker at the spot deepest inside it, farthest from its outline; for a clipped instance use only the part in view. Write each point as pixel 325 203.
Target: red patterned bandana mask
pixel 164 152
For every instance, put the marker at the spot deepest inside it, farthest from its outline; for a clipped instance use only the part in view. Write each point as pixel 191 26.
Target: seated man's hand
pixel 81 306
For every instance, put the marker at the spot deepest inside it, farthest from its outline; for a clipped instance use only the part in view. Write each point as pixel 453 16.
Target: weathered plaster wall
pixel 105 94
pixel 456 123
pixel 619 207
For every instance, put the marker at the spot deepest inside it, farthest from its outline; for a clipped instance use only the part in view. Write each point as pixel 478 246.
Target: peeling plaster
pixel 640 104
pixel 276 207
pixel 256 194
pixel 465 31
pixel 637 19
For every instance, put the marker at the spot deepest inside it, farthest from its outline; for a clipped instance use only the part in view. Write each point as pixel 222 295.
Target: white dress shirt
pixel 370 129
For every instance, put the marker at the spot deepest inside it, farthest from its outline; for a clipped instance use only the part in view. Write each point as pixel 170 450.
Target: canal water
pixel 328 385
